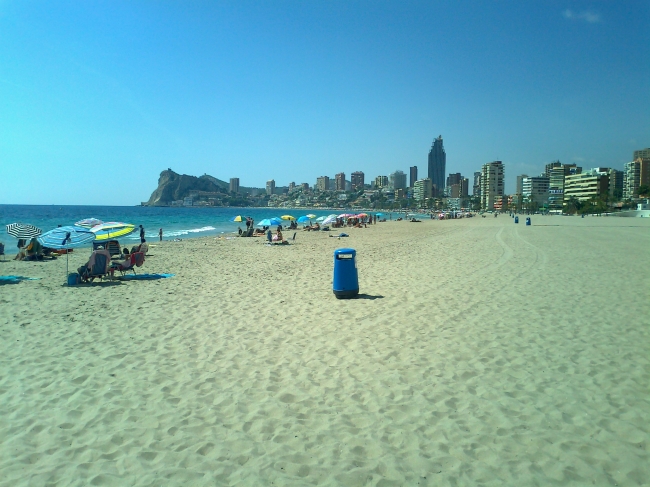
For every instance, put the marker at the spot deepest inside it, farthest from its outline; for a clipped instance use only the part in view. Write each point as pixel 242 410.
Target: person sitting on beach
pixel 278 236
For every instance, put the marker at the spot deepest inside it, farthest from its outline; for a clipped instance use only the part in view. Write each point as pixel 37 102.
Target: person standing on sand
pixel 160 234
pixel 141 234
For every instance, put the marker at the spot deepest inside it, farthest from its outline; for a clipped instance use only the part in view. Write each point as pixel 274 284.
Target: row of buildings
pixel 551 190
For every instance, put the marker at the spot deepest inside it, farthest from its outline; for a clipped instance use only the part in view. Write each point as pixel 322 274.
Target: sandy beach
pixel 480 353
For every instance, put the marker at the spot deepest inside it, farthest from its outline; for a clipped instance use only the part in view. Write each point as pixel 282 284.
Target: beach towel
pixel 340 235
pixel 145 277
pixel 16 279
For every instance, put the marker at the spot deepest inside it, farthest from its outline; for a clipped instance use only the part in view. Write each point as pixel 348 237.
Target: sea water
pixel 176 222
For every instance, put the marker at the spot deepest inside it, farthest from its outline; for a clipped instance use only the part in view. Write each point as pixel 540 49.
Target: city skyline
pixel 295 90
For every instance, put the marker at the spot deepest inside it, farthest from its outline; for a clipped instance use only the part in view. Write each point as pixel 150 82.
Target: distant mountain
pixel 173 186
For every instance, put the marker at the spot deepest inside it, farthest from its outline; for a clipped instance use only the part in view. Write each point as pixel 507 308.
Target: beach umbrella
pixel 362 215
pixel 88 222
pixel 66 238
pixel 23 230
pixel 310 215
pixel 239 218
pixel 321 219
pixel 288 217
pixel 345 215
pixel 303 219
pixel 270 222
pixel 111 230
pixel 330 219
pixel 379 214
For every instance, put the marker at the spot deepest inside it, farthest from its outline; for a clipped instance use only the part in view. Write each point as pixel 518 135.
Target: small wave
pixel 173 233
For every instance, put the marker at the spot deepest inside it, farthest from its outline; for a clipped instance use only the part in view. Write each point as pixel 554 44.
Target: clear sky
pixel 97 98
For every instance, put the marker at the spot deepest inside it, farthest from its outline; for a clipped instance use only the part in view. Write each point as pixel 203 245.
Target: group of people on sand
pixel 32 251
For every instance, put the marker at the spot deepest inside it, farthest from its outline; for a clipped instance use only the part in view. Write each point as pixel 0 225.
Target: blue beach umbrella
pixel 270 222
pixel 303 219
pixel 66 238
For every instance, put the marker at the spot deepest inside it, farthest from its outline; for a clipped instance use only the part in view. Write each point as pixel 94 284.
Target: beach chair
pixel 144 248
pixel 113 247
pixel 98 266
pixel 136 259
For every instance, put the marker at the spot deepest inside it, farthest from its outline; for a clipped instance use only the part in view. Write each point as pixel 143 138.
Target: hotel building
pixel 492 184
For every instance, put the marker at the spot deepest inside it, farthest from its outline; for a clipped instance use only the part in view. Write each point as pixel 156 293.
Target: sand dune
pixel 480 352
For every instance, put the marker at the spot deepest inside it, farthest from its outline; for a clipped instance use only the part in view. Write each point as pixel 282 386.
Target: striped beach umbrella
pixel 239 218
pixel 88 222
pixel 66 238
pixel 112 230
pixel 23 230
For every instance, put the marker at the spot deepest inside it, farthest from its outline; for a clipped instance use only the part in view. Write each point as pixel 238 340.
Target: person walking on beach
pixel 160 234
pixel 141 234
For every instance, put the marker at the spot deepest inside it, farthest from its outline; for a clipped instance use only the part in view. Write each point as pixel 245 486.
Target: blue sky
pixel 97 98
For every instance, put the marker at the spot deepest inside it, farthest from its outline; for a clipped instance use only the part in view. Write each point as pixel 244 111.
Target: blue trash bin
pixel 516 219
pixel 528 221
pixel 346 279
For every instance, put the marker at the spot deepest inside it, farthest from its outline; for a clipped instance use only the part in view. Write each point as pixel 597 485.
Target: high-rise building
pixel 323 183
pixel 615 183
pixel 398 180
pixel 520 181
pixel 642 153
pixel 535 189
pixel 381 181
pixel 357 179
pixel 234 185
pixel 492 184
pixel 305 186
pixel 453 178
pixel 637 173
pixel 340 181
pixel 413 173
pixel 587 185
pixel 437 164
pixel 464 188
pixel 557 172
pixel 476 189
pixel 292 186
pixel 270 186
pixel 422 190
pixel 550 166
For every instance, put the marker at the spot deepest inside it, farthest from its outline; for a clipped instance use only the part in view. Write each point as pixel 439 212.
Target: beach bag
pixel 74 278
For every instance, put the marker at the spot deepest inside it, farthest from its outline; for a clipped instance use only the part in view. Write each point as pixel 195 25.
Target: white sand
pixel 484 353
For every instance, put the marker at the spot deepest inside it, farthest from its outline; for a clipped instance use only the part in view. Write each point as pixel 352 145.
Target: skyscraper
pixel 642 153
pixel 476 189
pixel 340 181
pixel 492 187
pixel 323 183
pixel 381 181
pixel 234 185
pixel 437 165
pixel 357 179
pixel 398 180
pixel 270 186
pixel 413 170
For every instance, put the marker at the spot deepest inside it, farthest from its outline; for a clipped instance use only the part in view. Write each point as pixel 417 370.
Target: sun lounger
pixel 98 266
pixel 136 259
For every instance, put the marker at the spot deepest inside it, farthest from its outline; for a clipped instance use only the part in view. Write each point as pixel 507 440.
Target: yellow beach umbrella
pixel 112 230
pixel 288 217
